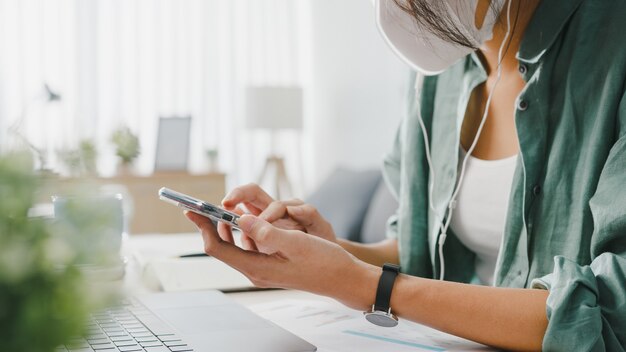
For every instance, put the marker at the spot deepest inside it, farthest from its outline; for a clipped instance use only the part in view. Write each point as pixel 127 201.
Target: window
pixel 128 62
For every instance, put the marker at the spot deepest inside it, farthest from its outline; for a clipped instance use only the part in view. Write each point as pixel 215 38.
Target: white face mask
pixel 423 50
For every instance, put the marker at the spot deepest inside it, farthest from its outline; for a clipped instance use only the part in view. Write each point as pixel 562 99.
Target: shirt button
pixel 522 105
pixel 536 190
pixel 523 68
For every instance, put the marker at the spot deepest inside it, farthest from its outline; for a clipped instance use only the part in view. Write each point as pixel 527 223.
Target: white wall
pixel 356 91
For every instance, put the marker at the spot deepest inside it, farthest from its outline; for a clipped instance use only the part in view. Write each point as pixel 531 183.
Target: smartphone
pixel 198 206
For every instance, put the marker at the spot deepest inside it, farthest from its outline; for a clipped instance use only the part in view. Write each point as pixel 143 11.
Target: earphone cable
pixel 444 225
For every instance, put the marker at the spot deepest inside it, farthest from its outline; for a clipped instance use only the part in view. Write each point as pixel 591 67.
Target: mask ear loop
pixel 443 226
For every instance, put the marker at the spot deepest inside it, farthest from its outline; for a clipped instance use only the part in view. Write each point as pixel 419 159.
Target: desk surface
pixel 320 320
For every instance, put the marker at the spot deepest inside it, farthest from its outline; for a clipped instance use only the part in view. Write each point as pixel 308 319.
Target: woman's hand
pixel 293 259
pixel 291 214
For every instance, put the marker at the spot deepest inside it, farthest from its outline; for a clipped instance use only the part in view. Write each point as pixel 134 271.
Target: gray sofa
pixel 356 202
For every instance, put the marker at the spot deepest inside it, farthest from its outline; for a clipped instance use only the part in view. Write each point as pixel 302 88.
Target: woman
pixel 546 81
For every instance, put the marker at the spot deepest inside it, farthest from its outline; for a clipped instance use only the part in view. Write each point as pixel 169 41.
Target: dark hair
pixel 434 15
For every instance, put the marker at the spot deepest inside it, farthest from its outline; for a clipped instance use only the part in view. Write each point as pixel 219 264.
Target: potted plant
pixel 88 157
pixel 126 147
pixel 44 295
pixel 212 155
pixel 70 158
pixel 81 161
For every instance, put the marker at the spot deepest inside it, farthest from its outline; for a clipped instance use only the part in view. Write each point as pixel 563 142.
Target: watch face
pixel 381 319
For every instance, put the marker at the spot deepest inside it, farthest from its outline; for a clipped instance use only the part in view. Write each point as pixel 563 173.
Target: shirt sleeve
pixel 586 307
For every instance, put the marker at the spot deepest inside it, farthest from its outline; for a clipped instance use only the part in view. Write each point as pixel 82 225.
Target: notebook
pixel 162 268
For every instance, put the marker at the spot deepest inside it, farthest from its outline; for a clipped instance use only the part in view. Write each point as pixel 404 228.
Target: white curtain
pixel 127 62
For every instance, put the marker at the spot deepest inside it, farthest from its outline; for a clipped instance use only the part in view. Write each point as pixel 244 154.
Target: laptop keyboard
pixel 127 328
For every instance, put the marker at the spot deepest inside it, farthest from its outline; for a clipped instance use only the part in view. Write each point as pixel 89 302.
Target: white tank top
pixel 480 214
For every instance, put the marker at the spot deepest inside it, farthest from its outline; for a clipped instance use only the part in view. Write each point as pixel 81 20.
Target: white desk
pixel 320 320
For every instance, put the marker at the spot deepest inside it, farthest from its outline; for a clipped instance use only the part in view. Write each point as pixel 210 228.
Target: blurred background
pixel 114 99
pixel 197 95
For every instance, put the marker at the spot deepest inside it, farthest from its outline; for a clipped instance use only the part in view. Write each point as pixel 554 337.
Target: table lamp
pixel 273 108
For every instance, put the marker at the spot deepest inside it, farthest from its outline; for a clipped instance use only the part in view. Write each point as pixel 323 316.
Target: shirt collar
pixel 549 20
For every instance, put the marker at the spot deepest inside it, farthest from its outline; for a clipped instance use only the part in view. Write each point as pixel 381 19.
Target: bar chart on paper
pixel 336 328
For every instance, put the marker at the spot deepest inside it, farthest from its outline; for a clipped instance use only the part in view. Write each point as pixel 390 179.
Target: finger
pixel 288 224
pixel 250 193
pixel 225 232
pixel 265 234
pixel 308 216
pixel 278 209
pixel 239 210
pixel 247 243
pixel 243 261
pixel 243 208
pixel 251 209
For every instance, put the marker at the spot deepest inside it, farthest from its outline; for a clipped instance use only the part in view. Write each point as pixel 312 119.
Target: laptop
pixel 197 321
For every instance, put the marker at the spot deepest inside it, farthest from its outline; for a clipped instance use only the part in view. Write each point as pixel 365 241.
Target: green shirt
pixel 566 222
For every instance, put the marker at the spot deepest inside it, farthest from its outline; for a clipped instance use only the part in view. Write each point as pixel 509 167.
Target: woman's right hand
pixel 290 214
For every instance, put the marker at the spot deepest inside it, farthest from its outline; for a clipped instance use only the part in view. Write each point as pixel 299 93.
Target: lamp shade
pixel 273 108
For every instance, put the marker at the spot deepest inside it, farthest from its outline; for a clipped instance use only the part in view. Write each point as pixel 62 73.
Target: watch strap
pixel 385 285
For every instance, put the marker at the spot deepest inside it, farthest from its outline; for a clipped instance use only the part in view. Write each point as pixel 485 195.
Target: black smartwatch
pixel 381 311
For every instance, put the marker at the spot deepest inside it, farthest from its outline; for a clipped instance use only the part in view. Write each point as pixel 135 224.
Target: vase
pixel 125 168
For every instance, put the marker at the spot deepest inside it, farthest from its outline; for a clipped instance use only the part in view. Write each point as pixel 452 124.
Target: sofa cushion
pixel 382 206
pixel 343 199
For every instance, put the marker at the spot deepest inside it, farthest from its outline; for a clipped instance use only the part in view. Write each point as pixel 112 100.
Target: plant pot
pixel 125 168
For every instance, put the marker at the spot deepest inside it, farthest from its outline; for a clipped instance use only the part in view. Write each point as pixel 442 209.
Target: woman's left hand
pixel 293 259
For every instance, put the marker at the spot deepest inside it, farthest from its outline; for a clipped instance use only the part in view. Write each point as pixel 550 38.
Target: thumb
pixel 262 232
pixel 310 218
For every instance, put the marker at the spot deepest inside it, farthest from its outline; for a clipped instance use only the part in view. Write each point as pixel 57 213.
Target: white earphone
pixel 444 225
